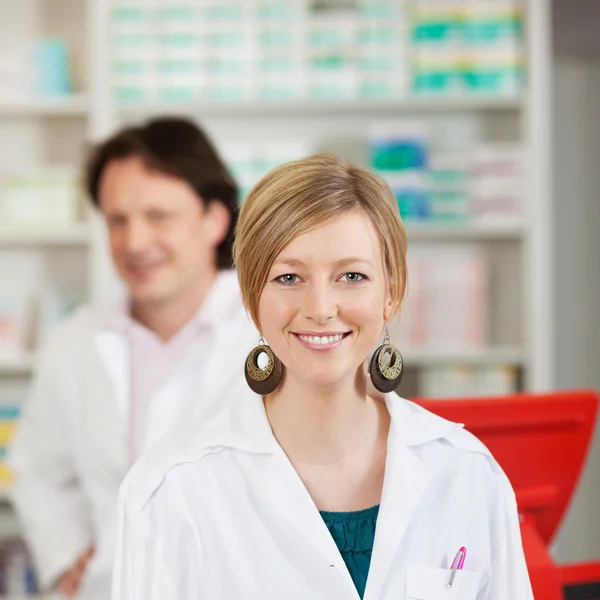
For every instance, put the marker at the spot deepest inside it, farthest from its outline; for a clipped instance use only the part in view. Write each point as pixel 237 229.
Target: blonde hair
pixel 301 195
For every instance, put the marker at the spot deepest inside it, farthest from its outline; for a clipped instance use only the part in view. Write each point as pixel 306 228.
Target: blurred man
pixel 110 382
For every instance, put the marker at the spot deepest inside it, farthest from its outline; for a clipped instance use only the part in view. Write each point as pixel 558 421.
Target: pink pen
pixel 457 564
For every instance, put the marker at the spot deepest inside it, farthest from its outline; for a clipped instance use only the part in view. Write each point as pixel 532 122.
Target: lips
pixel 323 341
pixel 142 271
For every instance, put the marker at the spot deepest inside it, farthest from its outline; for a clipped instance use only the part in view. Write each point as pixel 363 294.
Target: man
pixel 111 382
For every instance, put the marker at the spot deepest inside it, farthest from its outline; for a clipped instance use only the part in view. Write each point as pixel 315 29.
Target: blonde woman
pixel 314 483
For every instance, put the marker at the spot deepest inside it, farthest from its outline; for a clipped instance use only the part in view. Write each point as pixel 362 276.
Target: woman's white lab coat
pixel 221 514
pixel 71 451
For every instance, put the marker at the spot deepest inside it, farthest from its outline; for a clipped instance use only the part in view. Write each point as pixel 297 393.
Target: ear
pixel 389 309
pixel 218 221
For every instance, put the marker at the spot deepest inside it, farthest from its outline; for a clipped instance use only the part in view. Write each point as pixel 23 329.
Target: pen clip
pixel 457 564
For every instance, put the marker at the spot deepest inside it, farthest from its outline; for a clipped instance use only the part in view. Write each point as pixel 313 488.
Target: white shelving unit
pixel 251 108
pixel 78 235
pixel 17 364
pixel 75 105
pixel 56 129
pixel 509 355
pixel 62 127
pixel 478 232
pixel 521 330
pixel 36 133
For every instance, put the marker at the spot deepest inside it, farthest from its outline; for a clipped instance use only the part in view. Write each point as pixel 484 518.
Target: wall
pixel 577 249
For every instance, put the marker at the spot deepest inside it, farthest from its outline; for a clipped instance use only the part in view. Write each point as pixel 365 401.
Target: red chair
pixel 541 441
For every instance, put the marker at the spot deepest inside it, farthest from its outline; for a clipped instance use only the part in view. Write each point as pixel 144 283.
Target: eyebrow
pixel 293 262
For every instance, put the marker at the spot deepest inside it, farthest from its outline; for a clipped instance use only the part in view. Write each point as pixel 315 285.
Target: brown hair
pixel 177 147
pixel 301 195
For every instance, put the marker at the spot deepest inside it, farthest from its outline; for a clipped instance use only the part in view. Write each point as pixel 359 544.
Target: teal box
pixel 493 80
pixel 51 59
pixel 433 81
pixel 398 154
pixel 9 412
pixel 485 31
pixel 413 203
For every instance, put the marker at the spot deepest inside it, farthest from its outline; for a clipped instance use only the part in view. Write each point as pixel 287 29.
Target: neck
pixel 326 426
pixel 166 318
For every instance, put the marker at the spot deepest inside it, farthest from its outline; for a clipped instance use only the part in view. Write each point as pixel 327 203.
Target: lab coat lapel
pixel 115 367
pixel 406 481
pixel 276 482
pixel 116 359
pixel 282 488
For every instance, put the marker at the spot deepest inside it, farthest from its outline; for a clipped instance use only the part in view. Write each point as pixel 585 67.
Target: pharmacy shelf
pixel 511 355
pixel 78 235
pixel 4 495
pixel 74 105
pixel 320 107
pixel 17 364
pixel 464 232
pixel 39 597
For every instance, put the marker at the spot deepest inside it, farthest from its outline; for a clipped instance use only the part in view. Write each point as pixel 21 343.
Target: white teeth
pixel 324 340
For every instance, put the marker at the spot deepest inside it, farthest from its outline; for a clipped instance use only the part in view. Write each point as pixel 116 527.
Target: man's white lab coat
pixel 71 450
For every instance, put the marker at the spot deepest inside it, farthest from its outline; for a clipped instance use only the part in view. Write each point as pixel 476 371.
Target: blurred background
pixel 483 115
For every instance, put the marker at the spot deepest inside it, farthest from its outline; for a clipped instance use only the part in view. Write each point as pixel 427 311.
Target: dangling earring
pixel 263 380
pixel 386 366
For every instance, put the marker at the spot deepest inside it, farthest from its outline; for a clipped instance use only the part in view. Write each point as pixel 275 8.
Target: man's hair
pixel 177 147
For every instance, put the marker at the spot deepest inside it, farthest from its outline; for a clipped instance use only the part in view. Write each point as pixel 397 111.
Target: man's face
pixel 163 238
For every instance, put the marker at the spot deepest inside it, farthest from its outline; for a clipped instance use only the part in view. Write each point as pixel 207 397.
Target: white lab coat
pixel 71 450
pixel 220 513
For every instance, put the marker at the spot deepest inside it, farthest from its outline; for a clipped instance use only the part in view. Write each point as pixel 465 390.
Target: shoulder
pixel 201 449
pixel 448 445
pixel 165 459
pixel 67 337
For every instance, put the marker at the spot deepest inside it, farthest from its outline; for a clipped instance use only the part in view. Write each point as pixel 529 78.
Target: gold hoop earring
pixel 263 380
pixel 386 367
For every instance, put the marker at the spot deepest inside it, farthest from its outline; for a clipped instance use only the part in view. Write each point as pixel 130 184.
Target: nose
pixel 320 303
pixel 137 236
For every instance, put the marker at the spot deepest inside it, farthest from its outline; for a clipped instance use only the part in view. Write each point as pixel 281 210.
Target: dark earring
pixel 386 366
pixel 263 380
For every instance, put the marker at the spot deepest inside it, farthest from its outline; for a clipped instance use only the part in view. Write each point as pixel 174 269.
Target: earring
pixel 263 380
pixel 386 367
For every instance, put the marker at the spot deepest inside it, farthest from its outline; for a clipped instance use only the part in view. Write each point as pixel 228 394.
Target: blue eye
pixel 287 279
pixel 353 277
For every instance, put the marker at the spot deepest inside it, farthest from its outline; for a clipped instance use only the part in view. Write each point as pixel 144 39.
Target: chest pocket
pixel 429 583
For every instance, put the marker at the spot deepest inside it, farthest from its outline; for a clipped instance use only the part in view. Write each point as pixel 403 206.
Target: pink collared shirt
pixel 154 361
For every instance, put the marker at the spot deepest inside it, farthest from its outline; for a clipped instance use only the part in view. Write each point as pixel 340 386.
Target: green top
pixel 354 534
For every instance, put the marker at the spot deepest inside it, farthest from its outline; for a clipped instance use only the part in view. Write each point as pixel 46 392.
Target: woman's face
pixel 323 307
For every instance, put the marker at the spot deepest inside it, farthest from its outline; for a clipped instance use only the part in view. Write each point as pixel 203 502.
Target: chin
pixel 146 294
pixel 325 380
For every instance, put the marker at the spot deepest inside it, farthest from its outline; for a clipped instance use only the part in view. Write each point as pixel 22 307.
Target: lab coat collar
pixel 243 426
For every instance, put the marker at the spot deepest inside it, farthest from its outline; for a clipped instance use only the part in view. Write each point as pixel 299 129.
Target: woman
pixel 311 485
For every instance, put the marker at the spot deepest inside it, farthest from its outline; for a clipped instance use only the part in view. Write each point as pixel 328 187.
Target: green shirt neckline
pixel 354 535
